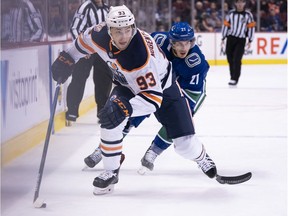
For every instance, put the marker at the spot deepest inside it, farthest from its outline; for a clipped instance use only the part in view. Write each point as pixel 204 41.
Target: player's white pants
pixel 111 146
pixel 188 147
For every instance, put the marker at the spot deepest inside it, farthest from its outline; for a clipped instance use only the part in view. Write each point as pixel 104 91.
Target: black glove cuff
pixel 66 58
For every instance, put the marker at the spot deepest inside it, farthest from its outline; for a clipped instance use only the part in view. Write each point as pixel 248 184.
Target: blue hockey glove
pixel 62 67
pixel 114 112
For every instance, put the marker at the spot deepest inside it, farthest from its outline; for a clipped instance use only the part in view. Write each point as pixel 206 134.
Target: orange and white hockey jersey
pixel 141 67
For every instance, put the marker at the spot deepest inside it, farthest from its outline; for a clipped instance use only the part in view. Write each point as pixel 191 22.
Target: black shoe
pixel 71 117
pixel 232 82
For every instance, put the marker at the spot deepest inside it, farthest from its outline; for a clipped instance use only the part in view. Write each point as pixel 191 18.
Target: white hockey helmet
pixel 119 16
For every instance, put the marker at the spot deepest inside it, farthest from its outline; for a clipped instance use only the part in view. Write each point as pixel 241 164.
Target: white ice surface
pixel 243 129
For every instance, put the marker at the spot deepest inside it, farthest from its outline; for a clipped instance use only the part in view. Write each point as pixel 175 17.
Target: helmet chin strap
pixel 113 43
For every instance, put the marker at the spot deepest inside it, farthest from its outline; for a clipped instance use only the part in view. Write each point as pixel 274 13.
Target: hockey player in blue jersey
pixel 191 69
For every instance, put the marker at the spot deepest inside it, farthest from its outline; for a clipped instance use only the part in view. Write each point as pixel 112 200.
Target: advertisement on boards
pixel 24 90
pixel 265 48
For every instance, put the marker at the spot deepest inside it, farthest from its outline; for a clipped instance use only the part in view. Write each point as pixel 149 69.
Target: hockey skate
pixel 104 183
pixel 93 159
pixel 147 161
pixel 206 164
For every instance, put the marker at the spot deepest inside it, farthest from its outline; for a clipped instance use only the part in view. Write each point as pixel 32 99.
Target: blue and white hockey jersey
pixel 190 71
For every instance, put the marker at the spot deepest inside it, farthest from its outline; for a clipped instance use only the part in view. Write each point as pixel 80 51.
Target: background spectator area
pixel 29 22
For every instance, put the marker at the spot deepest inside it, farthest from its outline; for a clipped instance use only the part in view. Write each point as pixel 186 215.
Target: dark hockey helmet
pixel 181 31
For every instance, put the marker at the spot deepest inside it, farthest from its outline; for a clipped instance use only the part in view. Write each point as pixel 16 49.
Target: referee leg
pixel 230 47
pixel 238 54
pixel 102 77
pixel 76 87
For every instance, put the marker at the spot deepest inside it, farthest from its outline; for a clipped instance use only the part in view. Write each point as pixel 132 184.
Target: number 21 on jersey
pixel 194 79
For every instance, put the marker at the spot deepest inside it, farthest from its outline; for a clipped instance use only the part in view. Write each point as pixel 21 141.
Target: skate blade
pixel 143 170
pixel 100 191
pixel 85 168
pixel 232 86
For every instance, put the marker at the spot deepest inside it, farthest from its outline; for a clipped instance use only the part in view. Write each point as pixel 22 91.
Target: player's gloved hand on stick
pixel 114 112
pixel 62 67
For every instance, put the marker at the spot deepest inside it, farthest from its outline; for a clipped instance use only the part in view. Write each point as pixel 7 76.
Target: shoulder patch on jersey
pixel 162 40
pixel 159 38
pixel 192 60
pixel 98 27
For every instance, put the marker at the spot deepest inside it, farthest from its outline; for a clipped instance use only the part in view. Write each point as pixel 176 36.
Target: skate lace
pixel 107 175
pixel 150 156
pixel 96 155
pixel 206 164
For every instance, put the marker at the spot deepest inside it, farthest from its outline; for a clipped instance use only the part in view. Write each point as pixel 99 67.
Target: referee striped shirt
pixel 87 15
pixel 239 24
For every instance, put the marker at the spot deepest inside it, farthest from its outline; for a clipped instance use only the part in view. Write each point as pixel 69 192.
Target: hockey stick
pixel 233 179
pixel 37 202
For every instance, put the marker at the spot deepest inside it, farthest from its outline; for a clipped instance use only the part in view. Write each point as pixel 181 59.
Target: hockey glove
pixel 114 112
pixel 62 67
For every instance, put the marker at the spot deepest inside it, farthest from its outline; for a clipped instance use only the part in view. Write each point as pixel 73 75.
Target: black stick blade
pixel 234 179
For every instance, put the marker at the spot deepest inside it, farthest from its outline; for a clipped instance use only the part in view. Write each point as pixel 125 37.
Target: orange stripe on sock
pixel 110 148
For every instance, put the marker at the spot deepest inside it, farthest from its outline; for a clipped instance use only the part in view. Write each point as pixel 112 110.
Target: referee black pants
pixel 102 77
pixel 234 51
